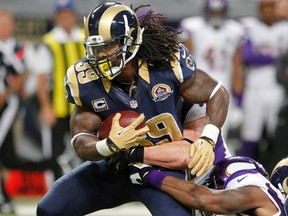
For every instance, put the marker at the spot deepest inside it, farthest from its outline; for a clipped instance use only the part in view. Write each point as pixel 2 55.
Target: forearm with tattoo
pixel 86 122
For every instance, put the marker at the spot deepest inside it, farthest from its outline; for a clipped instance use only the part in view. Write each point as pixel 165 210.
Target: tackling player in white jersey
pixel 242 188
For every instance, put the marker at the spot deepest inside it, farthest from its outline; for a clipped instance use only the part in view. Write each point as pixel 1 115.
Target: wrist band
pixel 103 148
pixel 211 131
pixel 210 141
pixel 77 135
pixel 155 178
pixel 217 87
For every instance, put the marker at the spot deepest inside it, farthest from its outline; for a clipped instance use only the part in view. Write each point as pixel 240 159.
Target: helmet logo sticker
pixel 190 63
pixel 161 92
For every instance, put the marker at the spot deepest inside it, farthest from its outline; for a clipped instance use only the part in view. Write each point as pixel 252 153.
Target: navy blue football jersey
pixel 156 94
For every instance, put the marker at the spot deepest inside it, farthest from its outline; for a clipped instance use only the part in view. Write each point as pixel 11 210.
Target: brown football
pixel 127 117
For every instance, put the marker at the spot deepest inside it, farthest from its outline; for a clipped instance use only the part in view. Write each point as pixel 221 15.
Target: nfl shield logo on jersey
pixel 133 104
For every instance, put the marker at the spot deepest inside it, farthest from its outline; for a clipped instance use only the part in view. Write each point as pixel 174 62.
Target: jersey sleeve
pixel 237 30
pixel 187 62
pixel 245 178
pixel 12 62
pixel 254 178
pixel 72 86
pixel 196 111
pixel 189 26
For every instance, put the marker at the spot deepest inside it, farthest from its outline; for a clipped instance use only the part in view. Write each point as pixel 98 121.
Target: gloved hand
pixel 125 137
pixel 201 156
pixel 139 173
pixel 120 161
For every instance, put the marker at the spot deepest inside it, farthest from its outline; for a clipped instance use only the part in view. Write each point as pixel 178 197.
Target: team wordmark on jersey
pixel 161 92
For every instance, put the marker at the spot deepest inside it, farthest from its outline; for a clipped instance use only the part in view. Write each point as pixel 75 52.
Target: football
pixel 127 117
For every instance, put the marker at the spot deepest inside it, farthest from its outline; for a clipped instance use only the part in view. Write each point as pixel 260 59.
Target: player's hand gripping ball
pixel 125 129
pixel 127 117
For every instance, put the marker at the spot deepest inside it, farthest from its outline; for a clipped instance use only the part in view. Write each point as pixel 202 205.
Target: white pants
pixel 261 108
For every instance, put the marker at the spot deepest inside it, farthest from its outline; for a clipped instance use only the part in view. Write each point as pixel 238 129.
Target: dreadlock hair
pixel 159 43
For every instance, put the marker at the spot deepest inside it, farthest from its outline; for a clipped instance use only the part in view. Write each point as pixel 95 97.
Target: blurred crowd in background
pixel 247 50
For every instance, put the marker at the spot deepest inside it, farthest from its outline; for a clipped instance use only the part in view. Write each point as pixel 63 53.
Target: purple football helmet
pixel 215 12
pixel 216 5
pixel 233 165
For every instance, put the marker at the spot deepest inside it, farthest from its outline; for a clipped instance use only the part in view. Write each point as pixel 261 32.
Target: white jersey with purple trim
pixel 254 178
pixel 263 95
pixel 265 40
pixel 213 49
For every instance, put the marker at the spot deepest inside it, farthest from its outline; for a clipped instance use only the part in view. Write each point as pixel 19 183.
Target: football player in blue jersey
pixel 241 184
pixel 131 67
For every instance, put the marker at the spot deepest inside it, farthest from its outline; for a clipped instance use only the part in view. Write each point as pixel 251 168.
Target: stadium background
pixel 33 19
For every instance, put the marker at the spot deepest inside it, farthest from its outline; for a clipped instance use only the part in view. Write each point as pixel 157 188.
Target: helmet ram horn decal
pixel 279 176
pixel 111 25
